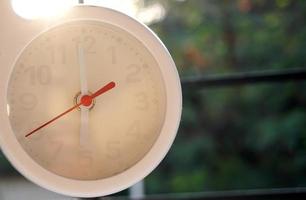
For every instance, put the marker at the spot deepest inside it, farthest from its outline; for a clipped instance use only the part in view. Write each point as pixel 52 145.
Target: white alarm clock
pixel 90 103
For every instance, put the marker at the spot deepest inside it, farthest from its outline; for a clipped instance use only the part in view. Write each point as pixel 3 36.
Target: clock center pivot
pixel 86 100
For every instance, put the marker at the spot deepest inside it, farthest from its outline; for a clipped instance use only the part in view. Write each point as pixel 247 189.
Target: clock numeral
pixel 58 54
pixel 85 158
pixel 142 101
pixel 133 73
pixel 112 50
pixel 56 145
pixel 113 149
pixel 28 101
pixel 39 74
pixel 88 42
pixel 134 129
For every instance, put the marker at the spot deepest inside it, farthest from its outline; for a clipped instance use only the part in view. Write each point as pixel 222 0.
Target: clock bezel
pixel 80 188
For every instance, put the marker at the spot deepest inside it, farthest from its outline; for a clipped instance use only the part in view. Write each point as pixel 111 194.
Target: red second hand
pixel 85 100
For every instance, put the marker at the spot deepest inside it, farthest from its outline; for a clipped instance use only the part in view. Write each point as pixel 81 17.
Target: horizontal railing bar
pixel 258 194
pixel 243 78
pixel 249 194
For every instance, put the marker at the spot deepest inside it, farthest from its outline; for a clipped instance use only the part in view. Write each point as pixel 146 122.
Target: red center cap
pixel 86 100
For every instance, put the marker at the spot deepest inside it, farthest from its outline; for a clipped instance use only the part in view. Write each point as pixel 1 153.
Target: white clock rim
pixel 31 170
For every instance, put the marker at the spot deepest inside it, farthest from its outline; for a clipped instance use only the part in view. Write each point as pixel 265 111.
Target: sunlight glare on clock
pixel 35 9
pixel 8 109
pixel 148 14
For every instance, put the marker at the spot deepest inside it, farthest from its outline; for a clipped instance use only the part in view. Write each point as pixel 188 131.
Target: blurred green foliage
pixel 241 137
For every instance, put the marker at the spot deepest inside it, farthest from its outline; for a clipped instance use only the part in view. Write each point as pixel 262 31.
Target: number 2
pixel 133 75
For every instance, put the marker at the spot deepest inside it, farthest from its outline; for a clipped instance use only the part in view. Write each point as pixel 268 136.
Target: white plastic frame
pixel 16 33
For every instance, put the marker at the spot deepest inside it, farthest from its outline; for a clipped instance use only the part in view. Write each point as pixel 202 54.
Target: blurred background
pixel 231 138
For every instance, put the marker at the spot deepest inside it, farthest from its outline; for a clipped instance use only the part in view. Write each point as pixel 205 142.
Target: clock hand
pixel 84 91
pixel 85 101
pixel 83 74
pixel 104 89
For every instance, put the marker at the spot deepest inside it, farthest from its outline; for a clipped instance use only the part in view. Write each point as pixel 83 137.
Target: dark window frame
pixel 241 79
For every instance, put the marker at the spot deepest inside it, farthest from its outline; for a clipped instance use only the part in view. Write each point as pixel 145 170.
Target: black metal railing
pixel 244 78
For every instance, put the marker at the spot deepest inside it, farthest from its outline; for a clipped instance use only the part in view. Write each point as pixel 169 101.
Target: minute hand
pixel 84 136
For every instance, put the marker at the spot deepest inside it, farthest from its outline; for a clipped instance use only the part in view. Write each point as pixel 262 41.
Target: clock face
pixel 110 134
